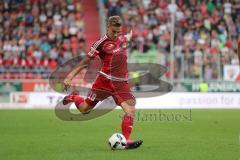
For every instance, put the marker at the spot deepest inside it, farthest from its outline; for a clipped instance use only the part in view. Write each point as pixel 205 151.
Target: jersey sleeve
pixel 96 47
pixel 94 51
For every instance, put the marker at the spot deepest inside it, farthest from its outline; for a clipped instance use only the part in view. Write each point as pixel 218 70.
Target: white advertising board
pixel 174 100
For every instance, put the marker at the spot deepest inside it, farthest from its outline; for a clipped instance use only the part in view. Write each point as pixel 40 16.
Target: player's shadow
pixel 64 112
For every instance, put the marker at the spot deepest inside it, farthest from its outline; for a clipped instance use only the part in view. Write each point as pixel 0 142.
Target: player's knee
pixel 131 102
pixel 131 110
pixel 129 107
pixel 85 108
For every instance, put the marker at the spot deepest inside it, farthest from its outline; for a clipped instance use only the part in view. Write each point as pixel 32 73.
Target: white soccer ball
pixel 117 141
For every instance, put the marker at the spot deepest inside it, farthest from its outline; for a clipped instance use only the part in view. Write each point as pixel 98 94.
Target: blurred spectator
pixel 38 35
pixel 35 34
pixel 204 28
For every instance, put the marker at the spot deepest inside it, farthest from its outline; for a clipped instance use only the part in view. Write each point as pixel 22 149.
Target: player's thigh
pixel 126 100
pixel 95 95
pixel 123 93
pixel 99 91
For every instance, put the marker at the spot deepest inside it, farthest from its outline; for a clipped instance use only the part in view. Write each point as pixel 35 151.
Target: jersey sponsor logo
pixel 112 48
pixel 117 50
pixel 109 47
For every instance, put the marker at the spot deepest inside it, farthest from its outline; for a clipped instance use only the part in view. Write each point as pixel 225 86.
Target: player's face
pixel 113 32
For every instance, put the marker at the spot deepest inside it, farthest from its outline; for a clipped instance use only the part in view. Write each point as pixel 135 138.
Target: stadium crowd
pixel 206 32
pixel 38 35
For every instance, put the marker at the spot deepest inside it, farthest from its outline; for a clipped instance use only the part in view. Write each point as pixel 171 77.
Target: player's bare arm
pixel 83 63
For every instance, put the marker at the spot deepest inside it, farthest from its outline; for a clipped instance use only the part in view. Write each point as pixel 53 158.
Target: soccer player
pixel 112 79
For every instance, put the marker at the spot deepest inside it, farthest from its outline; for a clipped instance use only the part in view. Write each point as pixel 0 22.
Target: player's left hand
pixel 128 36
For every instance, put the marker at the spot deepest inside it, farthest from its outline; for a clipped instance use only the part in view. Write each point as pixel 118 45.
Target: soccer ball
pixel 117 141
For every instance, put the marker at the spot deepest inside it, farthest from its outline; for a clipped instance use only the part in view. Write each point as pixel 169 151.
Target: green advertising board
pixel 6 87
pixel 210 86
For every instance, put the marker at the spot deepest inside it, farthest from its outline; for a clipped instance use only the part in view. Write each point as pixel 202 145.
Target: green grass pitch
pixel 180 135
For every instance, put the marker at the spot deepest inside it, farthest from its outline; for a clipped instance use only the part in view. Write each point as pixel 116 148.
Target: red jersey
pixel 113 54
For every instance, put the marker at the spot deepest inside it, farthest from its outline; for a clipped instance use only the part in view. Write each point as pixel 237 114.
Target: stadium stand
pixel 38 35
pixel 206 33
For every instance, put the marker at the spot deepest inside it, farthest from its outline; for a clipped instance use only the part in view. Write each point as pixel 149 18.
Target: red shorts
pixel 103 88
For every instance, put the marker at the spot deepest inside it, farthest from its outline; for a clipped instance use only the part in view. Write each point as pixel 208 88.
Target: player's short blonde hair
pixel 115 21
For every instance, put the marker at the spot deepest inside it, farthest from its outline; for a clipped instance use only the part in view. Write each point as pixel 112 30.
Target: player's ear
pixel 108 24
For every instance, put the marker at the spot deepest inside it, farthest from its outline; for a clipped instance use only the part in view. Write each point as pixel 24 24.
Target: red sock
pixel 127 124
pixel 78 100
